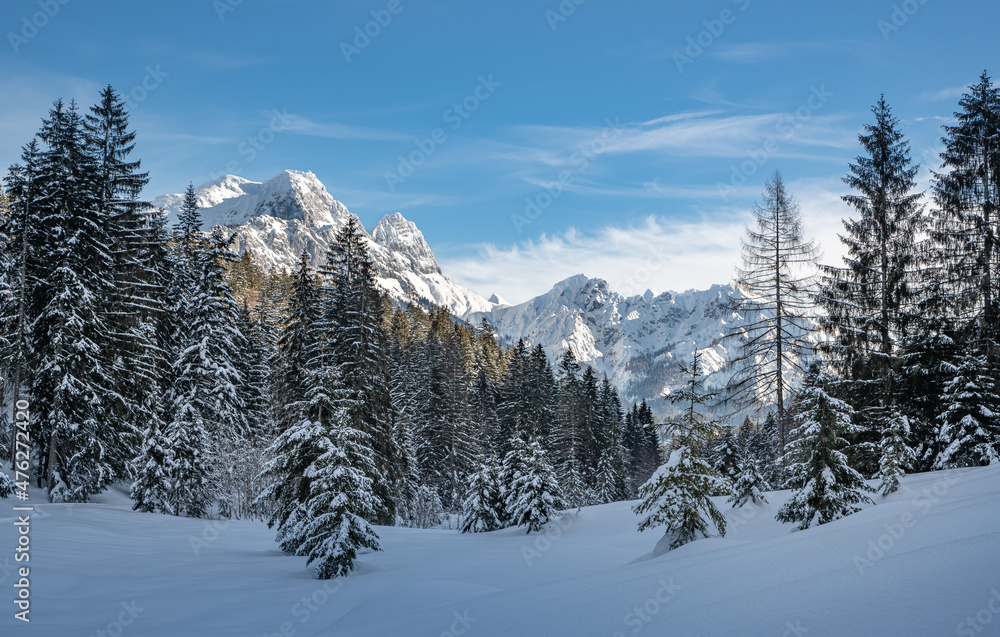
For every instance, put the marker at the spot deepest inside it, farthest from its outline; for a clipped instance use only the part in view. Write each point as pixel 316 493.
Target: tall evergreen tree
pixel 360 350
pixel 966 231
pixel 870 301
pixel 21 266
pixel 72 384
pixel 777 282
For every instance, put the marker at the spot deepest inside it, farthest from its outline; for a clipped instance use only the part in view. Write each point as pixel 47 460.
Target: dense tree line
pixel 154 356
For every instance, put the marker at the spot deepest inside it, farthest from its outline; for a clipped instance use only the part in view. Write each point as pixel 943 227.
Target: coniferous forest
pixel 154 356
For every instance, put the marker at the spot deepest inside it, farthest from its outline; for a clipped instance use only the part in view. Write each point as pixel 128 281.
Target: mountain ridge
pixel 637 341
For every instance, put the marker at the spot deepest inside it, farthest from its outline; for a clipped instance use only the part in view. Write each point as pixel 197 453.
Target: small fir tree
pixel 678 495
pixel 826 487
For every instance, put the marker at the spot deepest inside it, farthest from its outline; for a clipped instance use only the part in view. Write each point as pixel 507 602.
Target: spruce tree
pixel 748 483
pixel 534 497
pixel 970 424
pixel 341 500
pixel 484 509
pixel 72 385
pixel 967 192
pixel 21 266
pixel 826 487
pixel 895 455
pixel 642 446
pixel 678 495
pixel 568 438
pixel 354 316
pixel 136 288
pixel 870 301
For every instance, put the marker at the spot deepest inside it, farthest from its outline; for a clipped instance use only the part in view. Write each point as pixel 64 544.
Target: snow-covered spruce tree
pixel 725 455
pixel 341 498
pixel 748 484
pixel 970 423
pixel 896 456
pixel 354 315
pixel 136 286
pixel 777 280
pixel 319 488
pixel 612 465
pixel 678 494
pixel 72 384
pixel 21 269
pixel 870 300
pixel 513 391
pixel 151 489
pixel 534 498
pixel 299 343
pixel 186 442
pixel 404 398
pixel 826 487
pixel 484 509
pixel 610 477
pixel 569 435
pixel 967 192
pixel 446 438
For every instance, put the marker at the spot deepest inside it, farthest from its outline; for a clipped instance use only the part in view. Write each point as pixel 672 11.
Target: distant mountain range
pixel 637 341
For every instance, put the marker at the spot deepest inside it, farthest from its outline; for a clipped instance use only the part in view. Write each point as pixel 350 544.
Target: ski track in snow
pixel 592 574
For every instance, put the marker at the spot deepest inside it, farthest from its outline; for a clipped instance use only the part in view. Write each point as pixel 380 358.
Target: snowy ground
pixel 925 561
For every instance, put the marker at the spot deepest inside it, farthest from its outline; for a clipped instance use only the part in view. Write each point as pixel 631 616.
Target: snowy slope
pixel 292 213
pixel 918 563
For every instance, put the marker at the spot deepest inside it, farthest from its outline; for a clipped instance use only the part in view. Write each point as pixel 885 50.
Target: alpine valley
pixel 637 341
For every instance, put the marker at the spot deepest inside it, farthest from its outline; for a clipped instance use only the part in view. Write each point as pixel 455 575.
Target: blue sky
pixel 621 140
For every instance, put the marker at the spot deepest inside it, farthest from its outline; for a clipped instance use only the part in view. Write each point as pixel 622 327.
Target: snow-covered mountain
pixel 636 341
pixel 293 212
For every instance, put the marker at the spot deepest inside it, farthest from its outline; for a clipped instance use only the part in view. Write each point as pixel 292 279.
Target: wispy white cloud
pixel 944 94
pixel 658 253
pixel 332 130
pixel 755 52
